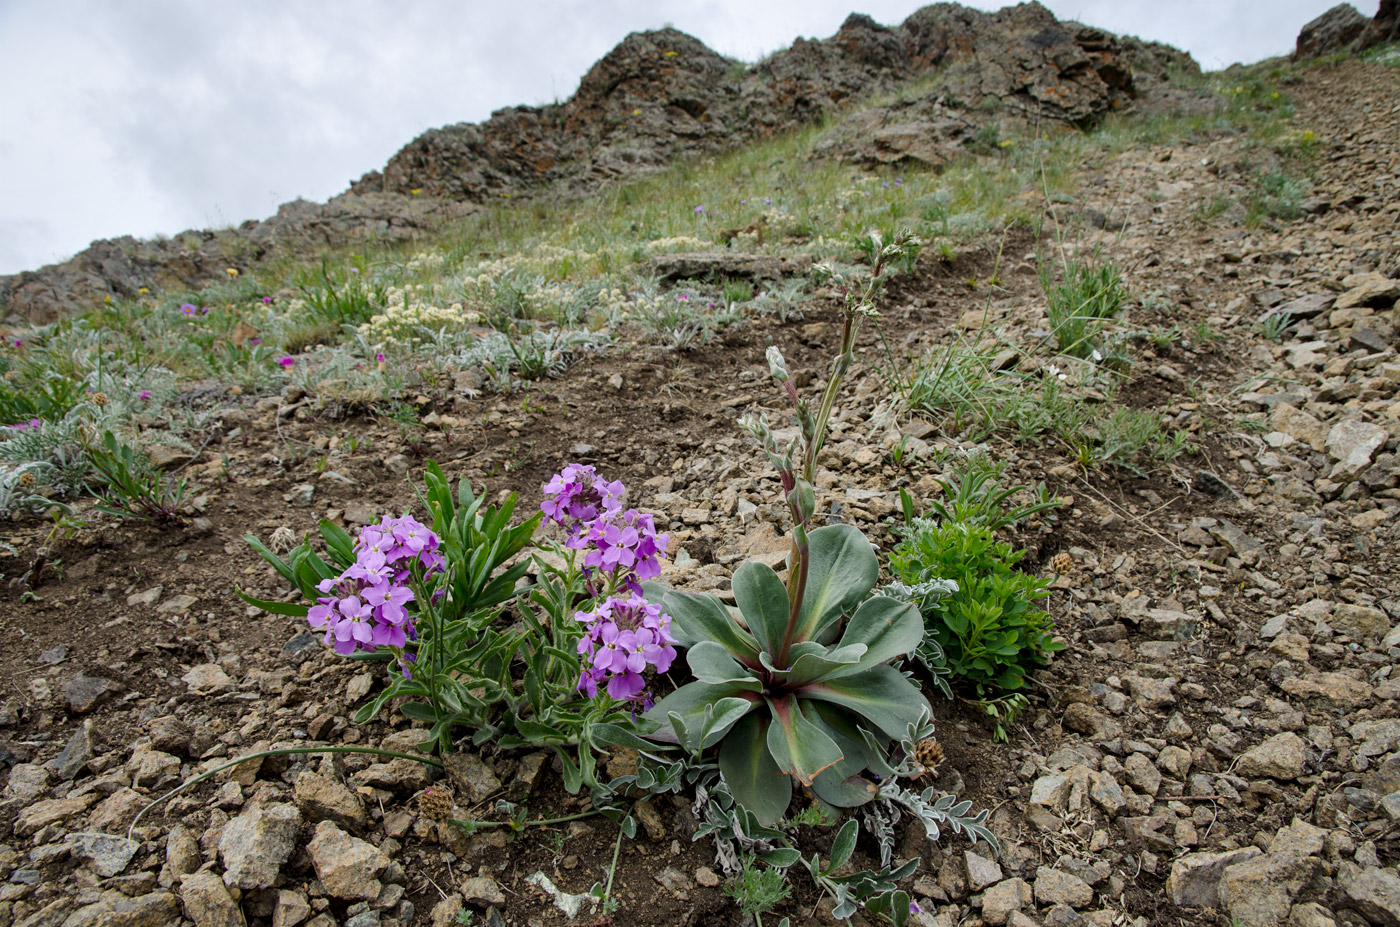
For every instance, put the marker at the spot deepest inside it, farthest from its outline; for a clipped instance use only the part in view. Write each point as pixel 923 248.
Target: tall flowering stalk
pixel 797 463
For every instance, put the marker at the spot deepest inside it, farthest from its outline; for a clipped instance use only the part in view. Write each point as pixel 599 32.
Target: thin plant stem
pixel 514 825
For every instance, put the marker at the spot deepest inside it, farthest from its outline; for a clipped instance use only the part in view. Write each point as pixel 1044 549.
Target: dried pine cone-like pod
pixel 435 803
pixel 99 399
pixel 26 479
pixel 928 754
pixel 1062 563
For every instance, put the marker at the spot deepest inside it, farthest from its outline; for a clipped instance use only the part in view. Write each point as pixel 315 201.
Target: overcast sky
pixel 153 116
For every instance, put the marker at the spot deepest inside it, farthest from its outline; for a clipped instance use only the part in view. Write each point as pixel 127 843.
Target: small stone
pixel 116 812
pixel 1005 897
pixel 149 597
pixel 981 872
pixel 1375 894
pixel 207 902
pixel 27 782
pixel 1105 792
pixel 301 495
pixel 108 855
pixel 1334 687
pixel 1051 792
pixel 178 603
pixel 358 687
pixel 256 844
pixel 291 909
pixel 324 799
pixel 151 767
pixel 1283 756
pixel 1055 887
pixel 76 754
pixel 171 735
pixel 706 877
pixel 182 852
pixel 472 778
pixel 43 813
pixel 1360 622
pixel 347 866
pixel 1195 877
pixel 1175 762
pixel 1352 444
pixel 156 909
pixel 446 911
pixel 1142 774
pixel 206 679
pixel 481 890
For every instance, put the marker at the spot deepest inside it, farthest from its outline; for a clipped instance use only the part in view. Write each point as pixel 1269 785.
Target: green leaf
pixel 698 618
pixel 763 601
pixel 294 609
pixel 841 571
pixel 781 858
pixel 878 694
pixel 689 703
pixel 751 774
pixel 799 746
pixel 710 662
pixel 844 844
pixel 887 627
pixel 811 667
pixel 843 785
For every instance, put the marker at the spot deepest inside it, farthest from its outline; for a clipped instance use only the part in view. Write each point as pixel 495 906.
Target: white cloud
pixel 161 115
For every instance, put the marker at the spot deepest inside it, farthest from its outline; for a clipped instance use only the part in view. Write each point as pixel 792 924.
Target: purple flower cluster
pixel 622 637
pixel 623 544
pixel 580 496
pixel 366 606
pixel 624 634
pixel 32 424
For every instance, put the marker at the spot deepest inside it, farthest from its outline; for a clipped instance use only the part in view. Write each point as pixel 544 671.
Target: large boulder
pixel 1331 32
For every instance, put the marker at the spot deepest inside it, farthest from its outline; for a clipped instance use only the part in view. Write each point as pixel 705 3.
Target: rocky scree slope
pixel 659 96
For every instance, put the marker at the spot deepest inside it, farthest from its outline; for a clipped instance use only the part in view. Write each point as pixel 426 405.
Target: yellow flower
pixel 636 112
pixel 1005 143
pixel 143 291
pixel 232 272
pixel 672 54
pixel 415 191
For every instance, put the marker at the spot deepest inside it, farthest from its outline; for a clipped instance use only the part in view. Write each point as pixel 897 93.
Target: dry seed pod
pixel 1062 563
pixel 435 803
pixel 928 754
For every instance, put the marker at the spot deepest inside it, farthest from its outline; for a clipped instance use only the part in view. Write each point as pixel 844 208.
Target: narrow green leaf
pixel 294 609
pixel 710 662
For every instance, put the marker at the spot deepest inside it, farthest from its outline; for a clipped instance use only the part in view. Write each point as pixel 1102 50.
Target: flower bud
pixel 777 367
pixel 803 500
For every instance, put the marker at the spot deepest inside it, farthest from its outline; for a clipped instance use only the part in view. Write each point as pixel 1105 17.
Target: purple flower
pixel 19 343
pixel 579 496
pixel 354 270
pixel 144 395
pixel 623 636
pixel 286 361
pixel 203 310
pixel 367 605
pixel 267 300
pixel 187 308
pixel 768 201
pixel 379 357
pixel 699 210
pixel 254 342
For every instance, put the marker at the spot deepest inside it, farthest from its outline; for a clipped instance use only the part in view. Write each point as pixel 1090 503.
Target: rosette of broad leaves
pixel 801 694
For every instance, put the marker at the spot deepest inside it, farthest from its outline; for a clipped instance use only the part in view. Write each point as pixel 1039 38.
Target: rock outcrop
pixel 1344 28
pixel 656 97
